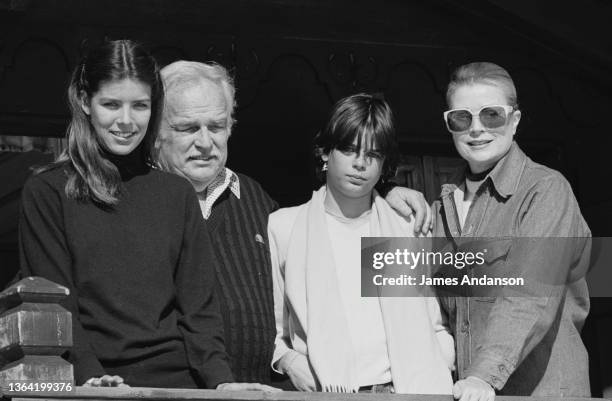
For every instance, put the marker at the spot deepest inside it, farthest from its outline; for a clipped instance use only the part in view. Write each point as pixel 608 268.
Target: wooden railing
pixel 35 330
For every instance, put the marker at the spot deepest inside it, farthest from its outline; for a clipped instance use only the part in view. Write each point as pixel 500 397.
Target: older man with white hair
pixel 193 133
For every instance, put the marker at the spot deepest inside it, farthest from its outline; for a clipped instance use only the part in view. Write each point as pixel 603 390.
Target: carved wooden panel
pixel 438 171
pixel 427 173
pixel 291 71
pixel 26 87
pixel 410 173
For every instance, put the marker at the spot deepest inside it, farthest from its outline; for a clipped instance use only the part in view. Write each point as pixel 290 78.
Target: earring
pixel 324 168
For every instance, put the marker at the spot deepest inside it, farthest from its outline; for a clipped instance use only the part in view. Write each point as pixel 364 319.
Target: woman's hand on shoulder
pixel 105 381
pixel 406 201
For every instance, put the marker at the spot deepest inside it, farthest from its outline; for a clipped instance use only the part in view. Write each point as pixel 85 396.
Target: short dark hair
pixel 367 118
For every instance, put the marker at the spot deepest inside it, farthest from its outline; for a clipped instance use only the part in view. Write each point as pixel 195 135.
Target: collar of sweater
pixel 129 165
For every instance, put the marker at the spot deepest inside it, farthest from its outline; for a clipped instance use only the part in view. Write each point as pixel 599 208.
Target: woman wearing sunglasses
pixel 528 344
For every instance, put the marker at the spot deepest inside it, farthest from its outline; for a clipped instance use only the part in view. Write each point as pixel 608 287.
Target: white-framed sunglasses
pixel 492 116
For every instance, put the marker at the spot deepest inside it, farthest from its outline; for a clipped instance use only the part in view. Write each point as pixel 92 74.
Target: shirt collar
pixel 504 177
pixel 224 180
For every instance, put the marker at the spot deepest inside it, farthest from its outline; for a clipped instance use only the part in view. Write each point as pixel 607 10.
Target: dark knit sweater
pixel 140 276
pixel 238 229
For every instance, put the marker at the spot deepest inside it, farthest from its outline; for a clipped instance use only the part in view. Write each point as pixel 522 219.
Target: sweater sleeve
pixel 282 342
pixel 43 251
pixel 200 321
pixel 439 321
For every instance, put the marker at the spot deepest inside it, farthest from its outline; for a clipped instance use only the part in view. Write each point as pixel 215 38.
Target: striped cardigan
pixel 238 228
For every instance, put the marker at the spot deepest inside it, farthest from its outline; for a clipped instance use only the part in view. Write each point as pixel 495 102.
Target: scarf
pixel 417 365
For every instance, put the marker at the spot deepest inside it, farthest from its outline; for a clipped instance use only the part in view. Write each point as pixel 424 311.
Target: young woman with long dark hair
pixel 126 239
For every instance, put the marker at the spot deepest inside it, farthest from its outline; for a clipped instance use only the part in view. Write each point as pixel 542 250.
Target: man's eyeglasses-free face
pixel 494 116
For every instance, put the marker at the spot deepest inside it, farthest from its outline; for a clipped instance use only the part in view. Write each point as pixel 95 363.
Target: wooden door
pixel 426 173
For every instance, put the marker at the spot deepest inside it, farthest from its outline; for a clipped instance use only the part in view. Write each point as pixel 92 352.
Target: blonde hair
pixel 482 73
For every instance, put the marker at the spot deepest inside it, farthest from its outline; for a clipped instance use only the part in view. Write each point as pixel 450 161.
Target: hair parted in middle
pixel 91 176
pixel 366 119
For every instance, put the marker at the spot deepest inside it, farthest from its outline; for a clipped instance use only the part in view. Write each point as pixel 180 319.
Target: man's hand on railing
pixel 473 388
pixel 247 387
pixel 105 381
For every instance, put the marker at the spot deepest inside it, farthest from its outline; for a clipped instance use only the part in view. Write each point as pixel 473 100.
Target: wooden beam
pixel 14 5
pixel 135 393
